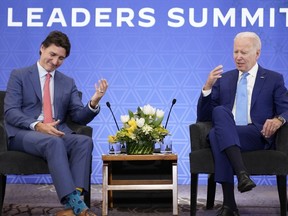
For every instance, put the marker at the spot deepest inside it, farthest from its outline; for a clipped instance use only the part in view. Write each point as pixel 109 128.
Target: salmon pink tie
pixel 47 107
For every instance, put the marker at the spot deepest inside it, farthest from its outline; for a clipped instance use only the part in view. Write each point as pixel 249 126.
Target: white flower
pixel 144 125
pixel 147 128
pixel 159 113
pixel 149 110
pixel 124 118
pixel 133 136
pixel 140 122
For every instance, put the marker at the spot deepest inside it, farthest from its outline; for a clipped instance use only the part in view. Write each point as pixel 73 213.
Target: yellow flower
pixel 144 125
pixel 133 125
pixel 111 139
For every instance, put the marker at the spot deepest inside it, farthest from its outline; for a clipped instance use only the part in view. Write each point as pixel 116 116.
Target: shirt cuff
pixel 96 109
pixel 205 93
pixel 32 126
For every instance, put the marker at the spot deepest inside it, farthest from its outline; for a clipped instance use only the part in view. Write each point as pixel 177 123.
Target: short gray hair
pixel 252 35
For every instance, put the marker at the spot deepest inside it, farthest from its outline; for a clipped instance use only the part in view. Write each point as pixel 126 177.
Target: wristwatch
pixel 280 118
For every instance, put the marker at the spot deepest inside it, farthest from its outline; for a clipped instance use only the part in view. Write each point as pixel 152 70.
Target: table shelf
pixel 110 184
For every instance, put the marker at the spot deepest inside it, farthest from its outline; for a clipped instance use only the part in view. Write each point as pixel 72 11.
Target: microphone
pixel 109 106
pixel 173 102
pixel 123 148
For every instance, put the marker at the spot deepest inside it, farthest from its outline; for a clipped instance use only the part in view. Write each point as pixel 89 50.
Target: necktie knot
pixel 244 75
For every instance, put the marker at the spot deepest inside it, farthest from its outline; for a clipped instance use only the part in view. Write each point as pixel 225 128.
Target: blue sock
pixel 75 202
pixel 67 204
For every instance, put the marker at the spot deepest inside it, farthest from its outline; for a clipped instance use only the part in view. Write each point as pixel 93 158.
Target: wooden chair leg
pixel 193 194
pixel 3 179
pixel 282 191
pixel 211 190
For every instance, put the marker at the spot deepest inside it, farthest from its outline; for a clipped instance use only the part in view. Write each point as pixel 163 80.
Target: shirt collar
pixel 43 72
pixel 252 71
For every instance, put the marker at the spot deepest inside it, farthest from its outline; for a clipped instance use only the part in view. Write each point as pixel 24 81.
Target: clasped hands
pixel 49 128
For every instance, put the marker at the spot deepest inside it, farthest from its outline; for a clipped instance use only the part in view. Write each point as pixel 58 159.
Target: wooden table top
pixel 125 157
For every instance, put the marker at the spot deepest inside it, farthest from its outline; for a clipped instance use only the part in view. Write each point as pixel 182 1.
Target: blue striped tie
pixel 241 117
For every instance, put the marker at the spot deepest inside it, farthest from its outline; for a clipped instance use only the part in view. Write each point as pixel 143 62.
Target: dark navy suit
pixel 269 99
pixel 68 157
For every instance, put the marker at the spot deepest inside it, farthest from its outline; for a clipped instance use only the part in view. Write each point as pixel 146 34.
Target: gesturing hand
pixel 213 76
pixel 100 90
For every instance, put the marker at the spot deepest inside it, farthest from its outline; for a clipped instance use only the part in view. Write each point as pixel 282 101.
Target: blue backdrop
pixel 150 51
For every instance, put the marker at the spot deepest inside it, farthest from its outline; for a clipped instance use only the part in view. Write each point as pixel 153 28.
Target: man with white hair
pixel 247 106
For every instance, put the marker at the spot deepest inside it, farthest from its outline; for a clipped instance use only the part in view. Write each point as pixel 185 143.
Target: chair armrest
pixel 80 129
pixel 200 130
pixel 281 142
pixel 198 135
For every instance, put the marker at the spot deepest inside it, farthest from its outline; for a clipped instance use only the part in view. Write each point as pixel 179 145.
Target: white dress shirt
pixel 250 85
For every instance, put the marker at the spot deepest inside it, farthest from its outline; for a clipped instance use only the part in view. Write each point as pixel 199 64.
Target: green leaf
pixel 158 122
pixel 131 114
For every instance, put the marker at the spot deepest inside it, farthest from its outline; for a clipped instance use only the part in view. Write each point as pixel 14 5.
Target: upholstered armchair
pixel 20 163
pixel 262 162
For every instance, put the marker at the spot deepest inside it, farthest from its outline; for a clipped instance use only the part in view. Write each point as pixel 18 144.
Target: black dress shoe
pixel 227 211
pixel 244 182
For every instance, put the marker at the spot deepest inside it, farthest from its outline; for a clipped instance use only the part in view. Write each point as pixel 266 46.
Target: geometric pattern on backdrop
pixel 143 65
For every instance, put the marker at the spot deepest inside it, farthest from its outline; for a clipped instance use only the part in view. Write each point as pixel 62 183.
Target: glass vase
pixel 143 148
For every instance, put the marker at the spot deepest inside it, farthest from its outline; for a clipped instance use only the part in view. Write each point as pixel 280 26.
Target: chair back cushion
pixel 2 96
pixel 3 139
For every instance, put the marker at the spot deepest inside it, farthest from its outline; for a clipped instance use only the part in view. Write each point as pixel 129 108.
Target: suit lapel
pixel 232 83
pixel 259 82
pixel 35 81
pixel 58 92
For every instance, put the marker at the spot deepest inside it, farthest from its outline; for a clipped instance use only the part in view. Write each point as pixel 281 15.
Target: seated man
pixel 246 106
pixel 42 130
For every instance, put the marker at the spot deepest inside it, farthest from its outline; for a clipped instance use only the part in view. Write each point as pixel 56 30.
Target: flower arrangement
pixel 142 126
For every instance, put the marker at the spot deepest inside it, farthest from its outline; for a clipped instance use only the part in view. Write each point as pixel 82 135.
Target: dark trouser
pixel 68 157
pixel 225 134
